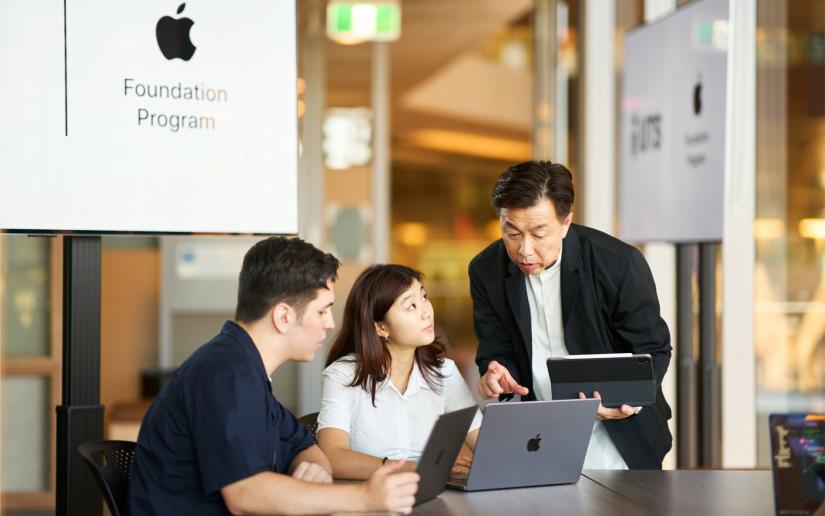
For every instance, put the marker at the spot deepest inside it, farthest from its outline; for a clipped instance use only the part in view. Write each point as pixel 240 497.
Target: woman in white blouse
pixel 387 380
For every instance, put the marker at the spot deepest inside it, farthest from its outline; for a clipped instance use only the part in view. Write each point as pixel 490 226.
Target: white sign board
pixel 671 180
pixel 149 116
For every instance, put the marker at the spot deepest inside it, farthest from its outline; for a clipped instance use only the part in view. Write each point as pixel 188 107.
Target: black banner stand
pixel 687 390
pixel 80 417
pixel 698 372
pixel 710 401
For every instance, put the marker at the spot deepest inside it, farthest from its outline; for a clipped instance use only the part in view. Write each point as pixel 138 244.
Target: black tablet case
pixel 619 380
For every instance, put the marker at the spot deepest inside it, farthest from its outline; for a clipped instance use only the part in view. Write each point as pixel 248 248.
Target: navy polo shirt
pixel 215 423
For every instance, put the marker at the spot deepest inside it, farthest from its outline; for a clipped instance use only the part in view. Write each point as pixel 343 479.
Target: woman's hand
pixel 461 468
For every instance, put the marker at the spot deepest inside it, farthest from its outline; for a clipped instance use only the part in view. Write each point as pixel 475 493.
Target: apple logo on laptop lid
pixel 534 443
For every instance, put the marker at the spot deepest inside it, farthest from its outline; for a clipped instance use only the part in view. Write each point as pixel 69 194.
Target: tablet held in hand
pixel 620 378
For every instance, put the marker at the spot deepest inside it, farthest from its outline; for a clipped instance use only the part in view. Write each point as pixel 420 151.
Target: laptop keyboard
pixel 457 480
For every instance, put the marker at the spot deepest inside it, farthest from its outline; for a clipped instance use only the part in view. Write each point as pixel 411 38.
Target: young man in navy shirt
pixel 216 441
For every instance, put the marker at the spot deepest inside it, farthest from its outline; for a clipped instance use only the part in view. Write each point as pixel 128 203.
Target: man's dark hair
pixel 280 269
pixel 525 184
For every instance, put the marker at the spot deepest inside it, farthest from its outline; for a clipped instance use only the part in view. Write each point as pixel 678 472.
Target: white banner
pixel 151 116
pixel 671 182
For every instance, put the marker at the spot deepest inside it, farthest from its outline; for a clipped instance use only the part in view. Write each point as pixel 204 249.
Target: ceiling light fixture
pixel 350 23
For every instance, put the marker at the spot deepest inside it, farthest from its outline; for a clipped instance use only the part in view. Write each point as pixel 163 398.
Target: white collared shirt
pixel 547 330
pixel 399 424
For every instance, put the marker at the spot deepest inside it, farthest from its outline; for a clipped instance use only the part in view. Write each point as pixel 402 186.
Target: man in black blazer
pixel 548 288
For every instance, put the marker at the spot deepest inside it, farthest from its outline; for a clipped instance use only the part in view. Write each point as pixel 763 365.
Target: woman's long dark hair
pixel 371 297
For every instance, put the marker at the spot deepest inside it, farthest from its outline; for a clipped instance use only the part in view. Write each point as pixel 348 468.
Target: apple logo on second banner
pixel 697 97
pixel 533 444
pixel 173 36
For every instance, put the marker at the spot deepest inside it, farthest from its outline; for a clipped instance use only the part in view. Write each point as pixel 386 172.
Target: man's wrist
pixel 362 500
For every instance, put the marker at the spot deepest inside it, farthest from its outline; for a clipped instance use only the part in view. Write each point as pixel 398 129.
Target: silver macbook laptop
pixel 530 443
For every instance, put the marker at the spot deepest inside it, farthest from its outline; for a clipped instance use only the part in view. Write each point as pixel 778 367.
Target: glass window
pixel 789 286
pixel 24 281
pixel 30 371
pixel 26 433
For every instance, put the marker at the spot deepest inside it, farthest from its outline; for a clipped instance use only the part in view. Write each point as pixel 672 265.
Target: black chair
pixel 311 422
pixel 110 462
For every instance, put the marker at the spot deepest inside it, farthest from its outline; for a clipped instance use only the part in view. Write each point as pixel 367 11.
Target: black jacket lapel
pixel 517 297
pixel 571 260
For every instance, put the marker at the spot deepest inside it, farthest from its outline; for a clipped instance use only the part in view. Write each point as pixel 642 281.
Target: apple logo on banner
pixel 173 36
pixel 533 444
pixel 697 97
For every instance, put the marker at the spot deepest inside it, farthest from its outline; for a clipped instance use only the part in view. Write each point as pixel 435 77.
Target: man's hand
pixel 604 413
pixel 389 489
pixel 311 472
pixel 497 380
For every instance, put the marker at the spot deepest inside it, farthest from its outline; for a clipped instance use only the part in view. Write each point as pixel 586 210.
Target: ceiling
pixel 447 95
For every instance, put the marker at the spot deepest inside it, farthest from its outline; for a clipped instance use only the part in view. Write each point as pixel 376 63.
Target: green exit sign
pixel 355 22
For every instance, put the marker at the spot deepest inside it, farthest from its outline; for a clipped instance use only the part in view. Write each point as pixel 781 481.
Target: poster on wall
pixel 153 116
pixel 672 132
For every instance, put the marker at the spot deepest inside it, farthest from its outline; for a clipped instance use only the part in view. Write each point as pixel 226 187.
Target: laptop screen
pixel 798 463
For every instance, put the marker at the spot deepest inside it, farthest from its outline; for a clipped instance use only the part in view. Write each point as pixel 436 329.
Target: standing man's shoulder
pixel 491 258
pixel 601 245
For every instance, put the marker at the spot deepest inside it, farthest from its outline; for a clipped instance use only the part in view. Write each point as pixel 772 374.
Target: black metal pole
pixel 687 390
pixel 80 417
pixel 711 393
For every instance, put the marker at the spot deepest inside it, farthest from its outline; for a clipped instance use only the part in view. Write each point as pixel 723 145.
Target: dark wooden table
pixel 624 493
pixel 683 492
